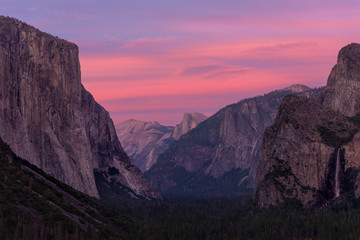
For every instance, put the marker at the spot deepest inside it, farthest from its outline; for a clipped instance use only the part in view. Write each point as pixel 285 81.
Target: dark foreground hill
pixel 34 205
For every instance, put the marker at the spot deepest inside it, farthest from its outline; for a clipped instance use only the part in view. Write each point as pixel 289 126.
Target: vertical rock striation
pixel 48 118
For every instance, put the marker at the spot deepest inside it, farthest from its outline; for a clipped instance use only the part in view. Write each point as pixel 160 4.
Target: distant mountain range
pixel 217 157
pixel 145 141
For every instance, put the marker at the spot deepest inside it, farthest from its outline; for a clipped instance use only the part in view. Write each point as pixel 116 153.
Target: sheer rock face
pixel 301 148
pixel 342 91
pixel 48 118
pixel 145 141
pixel 220 155
pixel 295 159
pixel 189 121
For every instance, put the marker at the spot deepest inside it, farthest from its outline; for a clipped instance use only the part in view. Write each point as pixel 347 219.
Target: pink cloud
pixel 214 68
pixel 153 108
pixel 214 72
pixel 177 73
pixel 144 42
pixel 170 50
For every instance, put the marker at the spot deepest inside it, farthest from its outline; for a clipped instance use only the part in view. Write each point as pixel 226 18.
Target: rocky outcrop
pixel 145 141
pixel 299 153
pixel 189 121
pixel 342 91
pixel 311 153
pixel 48 118
pixel 221 154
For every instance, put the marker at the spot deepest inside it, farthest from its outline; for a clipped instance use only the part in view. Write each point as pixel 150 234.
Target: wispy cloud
pixel 214 72
pixel 191 71
pixel 153 108
pixel 144 42
pixel 228 73
pixel 280 48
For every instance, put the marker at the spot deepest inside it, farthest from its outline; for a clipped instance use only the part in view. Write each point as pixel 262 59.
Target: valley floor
pixel 240 218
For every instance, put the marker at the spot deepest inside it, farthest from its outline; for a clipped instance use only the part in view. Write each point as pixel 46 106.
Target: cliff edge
pixel 49 119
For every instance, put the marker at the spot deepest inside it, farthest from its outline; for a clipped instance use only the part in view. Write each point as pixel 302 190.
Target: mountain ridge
pixel 220 155
pixel 145 141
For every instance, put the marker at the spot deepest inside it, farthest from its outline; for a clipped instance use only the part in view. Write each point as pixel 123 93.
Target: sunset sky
pixel 155 60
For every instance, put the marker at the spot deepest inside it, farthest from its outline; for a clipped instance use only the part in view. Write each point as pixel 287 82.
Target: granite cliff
pixel 221 154
pixel 49 119
pixel 311 153
pixel 189 121
pixel 342 91
pixel 145 141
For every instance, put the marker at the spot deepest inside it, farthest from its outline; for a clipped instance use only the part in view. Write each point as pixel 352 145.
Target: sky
pixel 155 60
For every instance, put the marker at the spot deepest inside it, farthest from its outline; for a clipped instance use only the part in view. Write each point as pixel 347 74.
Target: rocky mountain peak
pixel 145 141
pixel 297 88
pixel 134 126
pixel 342 91
pixel 350 54
pixel 189 121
